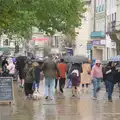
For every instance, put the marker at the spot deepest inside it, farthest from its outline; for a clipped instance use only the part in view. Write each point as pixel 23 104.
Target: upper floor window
pixel 6 42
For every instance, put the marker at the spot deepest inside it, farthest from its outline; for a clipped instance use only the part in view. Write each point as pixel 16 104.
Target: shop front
pixel 99 49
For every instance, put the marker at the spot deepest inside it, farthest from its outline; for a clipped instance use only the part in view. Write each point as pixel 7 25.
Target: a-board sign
pixel 6 89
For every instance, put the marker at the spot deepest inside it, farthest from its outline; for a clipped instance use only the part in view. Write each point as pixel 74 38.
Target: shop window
pixel 6 42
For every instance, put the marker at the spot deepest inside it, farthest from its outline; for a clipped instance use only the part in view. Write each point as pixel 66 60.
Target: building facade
pixel 8 44
pixel 101 41
pixel 41 43
pixel 114 27
pixel 83 33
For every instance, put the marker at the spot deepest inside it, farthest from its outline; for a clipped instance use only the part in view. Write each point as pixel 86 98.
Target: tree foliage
pixel 18 16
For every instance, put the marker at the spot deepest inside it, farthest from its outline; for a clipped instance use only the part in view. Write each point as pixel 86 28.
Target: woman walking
pixel 11 68
pixel 29 78
pixel 85 76
pixel 109 76
pixel 97 75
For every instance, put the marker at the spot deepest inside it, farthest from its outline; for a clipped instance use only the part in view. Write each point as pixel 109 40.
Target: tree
pixel 18 16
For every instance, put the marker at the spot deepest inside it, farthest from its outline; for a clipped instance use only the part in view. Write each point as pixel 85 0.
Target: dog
pixel 36 95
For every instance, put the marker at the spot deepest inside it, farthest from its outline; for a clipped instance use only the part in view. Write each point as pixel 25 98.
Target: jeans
pixel 106 85
pixel 96 85
pixel 61 84
pixel 49 86
pixel 36 85
pixel 119 85
pixel 110 89
pixel 69 81
pixel 56 82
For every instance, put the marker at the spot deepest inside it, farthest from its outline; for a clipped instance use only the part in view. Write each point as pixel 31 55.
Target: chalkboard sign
pixel 6 89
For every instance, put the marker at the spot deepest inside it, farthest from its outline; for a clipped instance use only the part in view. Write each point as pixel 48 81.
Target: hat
pixel 97 61
pixel 35 64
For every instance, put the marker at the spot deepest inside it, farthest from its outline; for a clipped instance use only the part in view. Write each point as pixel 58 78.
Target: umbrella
pixel 14 59
pixel 66 58
pixel 77 59
pixel 115 59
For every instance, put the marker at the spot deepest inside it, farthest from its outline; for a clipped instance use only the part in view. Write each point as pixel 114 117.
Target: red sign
pixel 40 39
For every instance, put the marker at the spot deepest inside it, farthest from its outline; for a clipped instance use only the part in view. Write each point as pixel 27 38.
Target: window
pixel 6 42
pixel 100 25
pixel 115 16
pixel 97 3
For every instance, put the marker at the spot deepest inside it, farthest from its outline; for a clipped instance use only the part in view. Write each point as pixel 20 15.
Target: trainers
pixel 94 98
pixel 110 100
pixel 21 86
pixel 73 96
pixel 50 98
pixel 46 97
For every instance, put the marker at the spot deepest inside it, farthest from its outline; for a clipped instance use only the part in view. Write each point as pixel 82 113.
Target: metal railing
pixel 113 26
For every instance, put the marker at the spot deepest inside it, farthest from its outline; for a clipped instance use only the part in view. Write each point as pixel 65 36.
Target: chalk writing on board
pixel 6 88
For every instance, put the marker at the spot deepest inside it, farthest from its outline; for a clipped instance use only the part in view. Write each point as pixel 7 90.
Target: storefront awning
pixel 98 34
pixel 4 50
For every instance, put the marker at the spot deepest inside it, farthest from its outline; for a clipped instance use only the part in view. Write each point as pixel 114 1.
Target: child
pixel 75 81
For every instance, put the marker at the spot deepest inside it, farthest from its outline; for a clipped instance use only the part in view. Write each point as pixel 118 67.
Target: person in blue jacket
pixel 93 63
pixel 37 71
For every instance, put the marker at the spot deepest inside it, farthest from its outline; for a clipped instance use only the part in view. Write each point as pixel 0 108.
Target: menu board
pixel 6 89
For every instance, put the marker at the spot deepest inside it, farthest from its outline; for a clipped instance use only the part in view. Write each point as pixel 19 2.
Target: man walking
pixel 62 69
pixel 49 69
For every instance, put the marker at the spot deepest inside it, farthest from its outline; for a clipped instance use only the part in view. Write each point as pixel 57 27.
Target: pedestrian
pixel 37 71
pixel 5 71
pixel 76 70
pixel 109 76
pixel 56 81
pixel 62 67
pixel 85 76
pixel 11 67
pixel 29 78
pixel 69 80
pixel 49 69
pixel 20 65
pixel 97 75
pixel 4 62
pixel 117 76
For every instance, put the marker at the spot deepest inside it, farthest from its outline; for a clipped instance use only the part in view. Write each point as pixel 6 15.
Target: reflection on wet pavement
pixel 63 108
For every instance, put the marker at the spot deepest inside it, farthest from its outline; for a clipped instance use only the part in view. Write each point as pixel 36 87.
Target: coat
pixel 11 68
pixel 50 68
pixel 85 76
pixel 109 74
pixel 37 74
pixel 30 75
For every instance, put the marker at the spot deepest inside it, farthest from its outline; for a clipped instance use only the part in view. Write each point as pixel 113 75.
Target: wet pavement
pixel 63 107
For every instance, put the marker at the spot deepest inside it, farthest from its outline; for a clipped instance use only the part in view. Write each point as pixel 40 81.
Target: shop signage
pixel 6 89
pixel 89 46
pixel 98 42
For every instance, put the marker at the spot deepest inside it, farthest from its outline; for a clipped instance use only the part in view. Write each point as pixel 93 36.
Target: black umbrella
pixel 77 59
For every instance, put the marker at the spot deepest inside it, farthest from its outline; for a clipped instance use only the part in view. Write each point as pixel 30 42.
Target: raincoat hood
pixel 97 61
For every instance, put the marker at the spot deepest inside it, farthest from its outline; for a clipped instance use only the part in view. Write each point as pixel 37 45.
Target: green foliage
pixel 18 16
